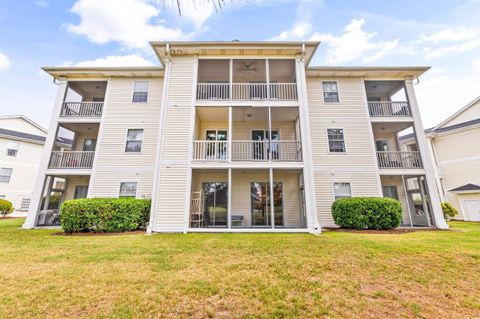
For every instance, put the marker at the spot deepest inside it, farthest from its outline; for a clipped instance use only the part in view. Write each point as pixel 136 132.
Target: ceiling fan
pixel 248 67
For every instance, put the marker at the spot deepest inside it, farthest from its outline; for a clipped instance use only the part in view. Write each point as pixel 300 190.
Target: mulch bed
pixel 135 232
pixel 10 217
pixel 388 231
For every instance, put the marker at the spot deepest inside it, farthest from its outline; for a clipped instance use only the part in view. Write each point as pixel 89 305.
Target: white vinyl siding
pixel 140 92
pixel 177 131
pixel 128 189
pixel 112 164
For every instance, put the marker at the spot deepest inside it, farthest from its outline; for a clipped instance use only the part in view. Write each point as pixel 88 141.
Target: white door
pixel 472 208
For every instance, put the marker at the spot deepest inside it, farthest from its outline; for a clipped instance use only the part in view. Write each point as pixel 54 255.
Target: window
pixel 12 149
pixel 128 189
pixel 342 190
pixel 80 192
pixel 330 92
pixel 134 140
pixel 140 92
pixel 382 146
pixel 390 192
pixel 25 204
pixel 336 141
pixel 89 145
pixel 5 174
pixel 217 150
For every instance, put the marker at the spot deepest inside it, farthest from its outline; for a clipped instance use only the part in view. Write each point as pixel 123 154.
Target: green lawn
pixel 431 274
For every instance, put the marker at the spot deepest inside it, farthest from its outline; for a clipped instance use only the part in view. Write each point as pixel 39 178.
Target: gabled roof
pixel 23 117
pixel 22 136
pixel 466 188
pixel 247 48
pixel 463 109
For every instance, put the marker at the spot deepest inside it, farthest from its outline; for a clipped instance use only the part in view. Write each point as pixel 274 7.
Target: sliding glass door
pixel 260 203
pixel 216 203
pixel 261 146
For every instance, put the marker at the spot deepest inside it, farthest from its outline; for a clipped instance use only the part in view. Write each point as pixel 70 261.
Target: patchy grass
pixel 427 274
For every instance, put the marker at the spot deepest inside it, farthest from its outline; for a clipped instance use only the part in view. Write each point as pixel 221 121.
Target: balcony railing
pixel 409 159
pixel 71 159
pixel 248 151
pixel 82 109
pixel 389 109
pixel 247 91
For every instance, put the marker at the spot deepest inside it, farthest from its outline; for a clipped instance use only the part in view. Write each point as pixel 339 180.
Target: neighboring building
pixel 224 127
pixel 21 145
pixel 455 149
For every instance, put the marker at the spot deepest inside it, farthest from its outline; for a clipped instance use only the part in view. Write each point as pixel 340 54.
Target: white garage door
pixel 472 208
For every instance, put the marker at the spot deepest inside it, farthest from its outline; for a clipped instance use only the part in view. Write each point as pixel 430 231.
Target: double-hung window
pixel 336 140
pixel 12 149
pixel 134 141
pixel 128 189
pixel 140 92
pixel 5 174
pixel 330 92
pixel 342 190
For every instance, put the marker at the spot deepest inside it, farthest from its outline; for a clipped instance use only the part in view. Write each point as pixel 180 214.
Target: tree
pixel 6 207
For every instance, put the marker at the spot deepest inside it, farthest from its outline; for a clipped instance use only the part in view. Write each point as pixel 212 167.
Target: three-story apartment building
pixel 236 136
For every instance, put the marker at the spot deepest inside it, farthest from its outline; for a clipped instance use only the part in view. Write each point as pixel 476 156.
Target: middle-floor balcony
pixel 254 134
pixel 74 147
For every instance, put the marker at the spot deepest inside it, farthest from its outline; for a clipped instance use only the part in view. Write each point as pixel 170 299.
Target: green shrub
pixel 6 207
pixel 448 210
pixel 367 213
pixel 104 214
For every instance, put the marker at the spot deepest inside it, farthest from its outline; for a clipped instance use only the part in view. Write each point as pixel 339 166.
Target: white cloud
pixel 353 44
pixel 476 64
pixel 41 3
pixel 112 61
pixel 450 41
pixel 299 31
pixel 128 22
pixel 4 62
pixel 441 93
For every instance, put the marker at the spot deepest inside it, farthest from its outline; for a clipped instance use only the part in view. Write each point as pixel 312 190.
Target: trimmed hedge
pixel 367 213
pixel 448 210
pixel 104 215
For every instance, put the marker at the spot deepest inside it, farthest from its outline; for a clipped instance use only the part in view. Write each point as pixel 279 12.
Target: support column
pixel 409 210
pixel 269 133
pixel 267 70
pixel 47 150
pixel 229 192
pixel 230 133
pixel 230 74
pixel 439 220
pixel 272 204
pixel 49 190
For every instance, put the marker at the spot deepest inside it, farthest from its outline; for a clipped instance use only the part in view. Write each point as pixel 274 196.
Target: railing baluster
pixel 399 159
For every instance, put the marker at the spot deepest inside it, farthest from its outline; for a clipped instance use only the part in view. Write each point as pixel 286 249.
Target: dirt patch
pixel 135 232
pixel 388 231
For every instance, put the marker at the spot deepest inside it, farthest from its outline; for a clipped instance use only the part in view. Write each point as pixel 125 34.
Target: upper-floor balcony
pixel 246 80
pixel 387 100
pixel 83 101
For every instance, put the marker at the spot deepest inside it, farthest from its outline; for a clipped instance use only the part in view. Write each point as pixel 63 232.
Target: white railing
pixel 213 91
pixel 399 159
pixel 247 91
pixel 250 150
pixel 81 109
pixel 287 151
pixel 71 159
pixel 283 91
pixel 210 150
pixel 389 109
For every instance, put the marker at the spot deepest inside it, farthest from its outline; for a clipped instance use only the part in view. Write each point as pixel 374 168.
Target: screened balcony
pixel 255 135
pixel 246 80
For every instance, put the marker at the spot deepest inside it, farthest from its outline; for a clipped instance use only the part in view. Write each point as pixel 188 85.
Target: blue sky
pixel 441 34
